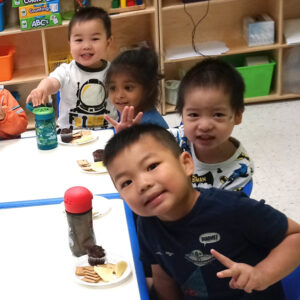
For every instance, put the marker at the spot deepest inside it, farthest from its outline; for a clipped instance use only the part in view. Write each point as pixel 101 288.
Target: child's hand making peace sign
pixel 243 276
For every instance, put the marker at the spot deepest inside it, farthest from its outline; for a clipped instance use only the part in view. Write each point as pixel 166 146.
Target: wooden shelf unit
pixel 222 23
pixel 164 24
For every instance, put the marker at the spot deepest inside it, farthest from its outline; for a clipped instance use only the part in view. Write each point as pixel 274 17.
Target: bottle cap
pixel 43 113
pixel 78 199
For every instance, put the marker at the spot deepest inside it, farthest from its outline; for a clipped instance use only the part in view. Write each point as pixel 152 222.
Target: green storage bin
pixel 257 78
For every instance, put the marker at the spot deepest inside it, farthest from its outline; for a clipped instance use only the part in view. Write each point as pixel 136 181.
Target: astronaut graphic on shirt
pixel 90 105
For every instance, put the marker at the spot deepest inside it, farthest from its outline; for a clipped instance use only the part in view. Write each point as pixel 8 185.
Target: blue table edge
pixel 131 229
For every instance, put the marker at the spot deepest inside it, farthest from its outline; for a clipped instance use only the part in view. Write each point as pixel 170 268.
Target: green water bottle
pixel 45 127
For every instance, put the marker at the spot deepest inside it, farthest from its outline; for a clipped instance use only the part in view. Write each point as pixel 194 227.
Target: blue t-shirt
pixel 243 229
pixel 152 116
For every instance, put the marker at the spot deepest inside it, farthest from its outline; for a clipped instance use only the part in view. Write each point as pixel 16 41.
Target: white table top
pixel 36 262
pixel 27 173
pixel 35 259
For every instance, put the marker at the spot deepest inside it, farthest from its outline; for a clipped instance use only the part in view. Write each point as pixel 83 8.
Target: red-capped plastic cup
pixel 78 199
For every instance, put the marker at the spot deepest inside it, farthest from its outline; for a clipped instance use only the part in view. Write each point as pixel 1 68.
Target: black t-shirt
pixel 243 229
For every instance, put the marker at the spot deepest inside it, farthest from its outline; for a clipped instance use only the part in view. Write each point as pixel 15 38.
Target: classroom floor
pixel 270 133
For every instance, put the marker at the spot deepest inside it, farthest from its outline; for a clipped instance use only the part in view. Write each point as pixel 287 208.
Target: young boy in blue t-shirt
pixel 201 244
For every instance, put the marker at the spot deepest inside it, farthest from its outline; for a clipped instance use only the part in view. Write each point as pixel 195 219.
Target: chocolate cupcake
pixel 96 255
pixel 98 155
pixel 66 135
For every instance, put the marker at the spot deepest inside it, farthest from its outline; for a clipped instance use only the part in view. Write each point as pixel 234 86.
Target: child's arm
pixel 165 287
pixel 281 261
pixel 46 87
pixel 127 119
pixel 13 119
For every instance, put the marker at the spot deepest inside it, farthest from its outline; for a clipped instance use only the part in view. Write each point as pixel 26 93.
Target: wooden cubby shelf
pixel 165 25
pixel 223 22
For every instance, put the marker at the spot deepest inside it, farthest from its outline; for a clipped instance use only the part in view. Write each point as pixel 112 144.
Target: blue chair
pixel 291 285
pixel 247 189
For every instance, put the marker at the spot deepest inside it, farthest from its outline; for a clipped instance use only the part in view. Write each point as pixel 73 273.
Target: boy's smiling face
pixel 152 181
pixel 89 43
pixel 208 119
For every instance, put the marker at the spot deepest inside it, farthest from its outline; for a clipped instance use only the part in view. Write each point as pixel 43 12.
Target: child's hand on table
pixel 127 119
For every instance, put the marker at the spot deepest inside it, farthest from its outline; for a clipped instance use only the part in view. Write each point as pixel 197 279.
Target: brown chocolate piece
pixel 96 255
pixel 98 155
pixel 66 135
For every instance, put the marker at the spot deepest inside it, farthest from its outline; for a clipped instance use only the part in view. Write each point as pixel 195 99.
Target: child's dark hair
pixel 142 65
pixel 91 13
pixel 131 135
pixel 213 73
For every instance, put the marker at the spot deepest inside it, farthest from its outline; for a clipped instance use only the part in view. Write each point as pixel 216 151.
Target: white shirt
pixel 83 96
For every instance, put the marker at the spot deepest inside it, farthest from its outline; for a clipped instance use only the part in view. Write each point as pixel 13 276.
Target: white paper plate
pixel 101 171
pixel 101 207
pixel 83 261
pixel 77 144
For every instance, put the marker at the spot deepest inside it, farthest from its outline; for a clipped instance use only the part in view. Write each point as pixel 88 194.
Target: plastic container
pixel 115 4
pixel 45 126
pixel 6 62
pixel 171 88
pixel 56 59
pixel 257 78
pixel 2 15
pixel 78 205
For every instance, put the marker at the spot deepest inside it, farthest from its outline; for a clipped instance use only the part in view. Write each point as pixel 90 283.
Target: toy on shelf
pixel 2 15
pixel 80 4
pixel 115 4
pixel 119 6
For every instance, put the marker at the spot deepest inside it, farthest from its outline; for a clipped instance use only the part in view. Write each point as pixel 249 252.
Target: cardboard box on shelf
pixel 17 3
pixel 259 30
pixel 40 22
pixel 34 10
